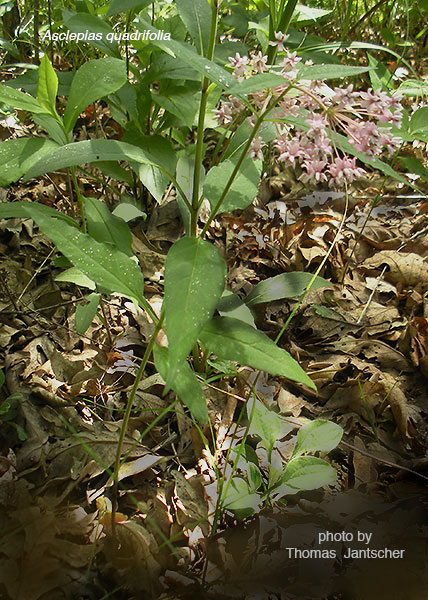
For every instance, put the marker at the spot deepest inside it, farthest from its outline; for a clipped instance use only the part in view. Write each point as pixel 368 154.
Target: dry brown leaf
pixel 405 268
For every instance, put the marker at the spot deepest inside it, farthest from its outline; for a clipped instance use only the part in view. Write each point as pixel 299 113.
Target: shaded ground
pixel 364 342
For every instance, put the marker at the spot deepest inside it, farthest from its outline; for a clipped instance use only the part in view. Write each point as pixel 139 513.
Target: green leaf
pixel 107 228
pixel 319 435
pixel 242 191
pixel 186 54
pixel 261 81
pixel 194 280
pixel 307 473
pixel 153 179
pixel 231 305
pixel 82 23
pixel 79 153
pixel 27 210
pixel 196 16
pixel 285 285
pixel 418 125
pixel 47 86
pixel 234 340
pixel 103 264
pixel 330 71
pixel 118 6
pixel 19 100
pixel 180 103
pixel 263 422
pixel 128 212
pixel 414 165
pixel 2 378
pixel 185 384
pixel 159 150
pixel 239 499
pixel 94 79
pixel 381 76
pixel 85 313
pixel 254 477
pixel 74 275
pixel 18 156
pixel 308 13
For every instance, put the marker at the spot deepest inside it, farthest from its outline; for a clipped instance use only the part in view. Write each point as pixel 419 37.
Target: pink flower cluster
pixel 309 116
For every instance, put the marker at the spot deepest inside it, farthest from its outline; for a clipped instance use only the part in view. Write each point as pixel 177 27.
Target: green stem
pixel 247 146
pixel 201 124
pixel 127 416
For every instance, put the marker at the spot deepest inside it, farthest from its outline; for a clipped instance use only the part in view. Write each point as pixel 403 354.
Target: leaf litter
pixel 364 342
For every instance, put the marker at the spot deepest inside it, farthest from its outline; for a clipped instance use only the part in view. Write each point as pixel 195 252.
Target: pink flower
pixel 314 171
pixel 256 148
pixel 239 64
pixel 279 41
pixel 258 62
pixel 344 170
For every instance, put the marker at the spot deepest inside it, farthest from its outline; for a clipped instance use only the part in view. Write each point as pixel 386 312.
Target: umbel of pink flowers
pixel 362 117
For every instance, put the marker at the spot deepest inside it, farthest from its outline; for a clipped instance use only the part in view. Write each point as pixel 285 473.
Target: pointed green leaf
pixel 242 191
pixel 231 305
pixel 118 6
pixel 18 156
pixel 74 275
pixel 94 79
pixel 84 23
pixel 330 71
pixel 235 340
pixel 308 473
pixel 185 384
pixel 196 15
pixel 194 280
pixel 263 422
pixel 317 436
pixel 285 285
pixel 105 265
pixel 79 153
pixel 19 100
pixel 418 126
pixel 85 313
pixel 27 210
pixel 47 86
pixel 107 228
pixel 187 54
pixel 239 499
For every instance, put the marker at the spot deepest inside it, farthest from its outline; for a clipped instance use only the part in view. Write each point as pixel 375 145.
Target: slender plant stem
pixel 201 125
pixel 127 415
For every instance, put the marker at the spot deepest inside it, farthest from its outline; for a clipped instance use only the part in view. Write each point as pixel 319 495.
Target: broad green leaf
pixel 234 340
pixel 165 66
pixel 187 54
pixel 184 176
pixel 381 76
pixel 74 275
pixel 330 71
pixel 185 384
pixel 85 313
pixel 79 153
pixel 261 81
pixel 254 477
pixel 308 473
pixel 83 23
pixel 94 79
pixel 107 228
pixel 153 179
pixel 418 125
pixel 118 6
pixel 196 15
pixel 26 210
pixel 53 127
pixel 128 212
pixel 242 191
pixel 194 280
pixel 115 171
pixel 308 13
pixel 263 422
pixel 160 150
pixel 47 86
pixel 239 499
pixel 414 165
pixel 180 103
pixel 414 87
pixel 285 285
pixel 18 156
pixel 231 305
pixel 319 435
pixel 103 264
pixel 20 101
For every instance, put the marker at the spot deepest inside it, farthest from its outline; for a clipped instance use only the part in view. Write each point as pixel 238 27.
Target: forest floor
pixel 363 340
